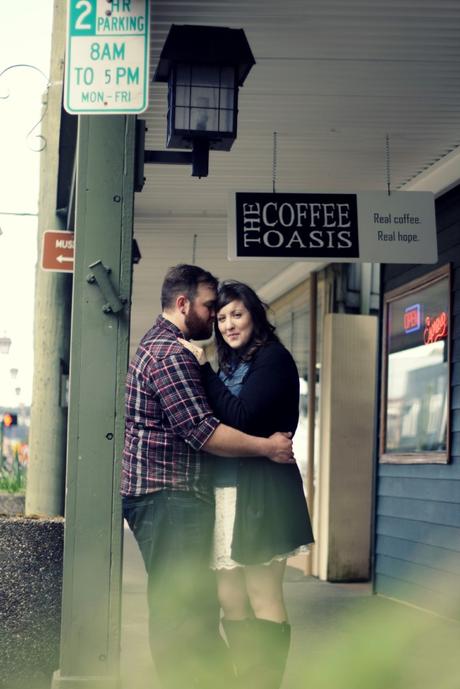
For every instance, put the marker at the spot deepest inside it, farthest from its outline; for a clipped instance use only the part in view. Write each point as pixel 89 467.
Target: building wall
pixel 290 314
pixel 417 547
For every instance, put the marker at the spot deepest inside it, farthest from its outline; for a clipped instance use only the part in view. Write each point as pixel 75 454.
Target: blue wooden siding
pixel 417 544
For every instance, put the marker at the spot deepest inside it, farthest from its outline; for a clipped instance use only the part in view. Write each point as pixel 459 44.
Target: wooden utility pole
pixel 48 429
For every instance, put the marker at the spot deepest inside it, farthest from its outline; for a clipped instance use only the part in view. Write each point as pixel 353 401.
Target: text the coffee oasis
pixel 293 225
pixel 310 225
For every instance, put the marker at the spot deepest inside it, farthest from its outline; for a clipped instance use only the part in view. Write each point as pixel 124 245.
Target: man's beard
pixel 196 328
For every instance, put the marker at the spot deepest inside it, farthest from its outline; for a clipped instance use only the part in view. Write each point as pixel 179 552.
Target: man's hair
pixel 184 279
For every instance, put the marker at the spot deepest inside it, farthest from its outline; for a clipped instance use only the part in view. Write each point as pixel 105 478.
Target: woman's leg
pixel 233 598
pixel 272 633
pixel 264 585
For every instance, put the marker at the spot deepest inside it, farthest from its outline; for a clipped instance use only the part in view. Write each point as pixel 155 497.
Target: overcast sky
pixel 25 35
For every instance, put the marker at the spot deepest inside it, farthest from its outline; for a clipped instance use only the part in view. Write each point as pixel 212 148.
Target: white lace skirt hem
pixel 223 532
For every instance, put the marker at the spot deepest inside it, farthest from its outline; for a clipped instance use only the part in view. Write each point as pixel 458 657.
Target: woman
pixel 261 513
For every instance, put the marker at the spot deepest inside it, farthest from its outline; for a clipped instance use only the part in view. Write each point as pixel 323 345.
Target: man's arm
pixel 228 442
pixel 182 398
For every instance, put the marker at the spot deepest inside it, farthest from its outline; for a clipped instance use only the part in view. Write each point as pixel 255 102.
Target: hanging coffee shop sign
pixel 358 227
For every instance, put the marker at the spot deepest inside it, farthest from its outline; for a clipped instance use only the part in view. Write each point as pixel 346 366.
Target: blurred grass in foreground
pixel 343 637
pixel 388 646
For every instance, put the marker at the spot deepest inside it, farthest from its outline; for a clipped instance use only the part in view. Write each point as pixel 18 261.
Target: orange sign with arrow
pixel 58 251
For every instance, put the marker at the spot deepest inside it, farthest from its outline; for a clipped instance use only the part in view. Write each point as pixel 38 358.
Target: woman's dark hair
pixel 264 331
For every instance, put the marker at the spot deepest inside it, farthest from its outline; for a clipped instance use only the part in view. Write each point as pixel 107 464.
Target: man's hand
pixel 228 442
pixel 198 352
pixel 280 448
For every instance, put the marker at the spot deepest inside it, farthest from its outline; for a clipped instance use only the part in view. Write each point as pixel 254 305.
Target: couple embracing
pixel 210 487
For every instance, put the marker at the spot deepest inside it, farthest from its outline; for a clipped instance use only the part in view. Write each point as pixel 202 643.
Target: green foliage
pixel 13 478
pixel 388 646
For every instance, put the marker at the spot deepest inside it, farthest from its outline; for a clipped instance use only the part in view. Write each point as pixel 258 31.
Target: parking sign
pixel 107 57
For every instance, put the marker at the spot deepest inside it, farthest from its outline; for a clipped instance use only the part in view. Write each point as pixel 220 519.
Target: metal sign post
pixel 90 637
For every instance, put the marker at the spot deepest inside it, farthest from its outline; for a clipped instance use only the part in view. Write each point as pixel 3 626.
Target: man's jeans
pixel 174 532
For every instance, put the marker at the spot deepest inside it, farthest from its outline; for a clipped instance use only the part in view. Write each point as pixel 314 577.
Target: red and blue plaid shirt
pixel 168 418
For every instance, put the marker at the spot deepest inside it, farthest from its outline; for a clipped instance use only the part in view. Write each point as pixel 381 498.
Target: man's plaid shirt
pixel 168 418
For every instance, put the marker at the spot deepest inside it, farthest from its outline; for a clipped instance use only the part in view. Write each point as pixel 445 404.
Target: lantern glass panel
pixel 203 97
pixel 204 119
pixel 182 118
pixel 182 95
pixel 204 101
pixel 226 120
pixel 227 98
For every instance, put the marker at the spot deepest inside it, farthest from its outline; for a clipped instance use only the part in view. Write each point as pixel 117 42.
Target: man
pixel 167 481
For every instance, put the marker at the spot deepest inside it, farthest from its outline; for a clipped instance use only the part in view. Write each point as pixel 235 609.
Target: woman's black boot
pixel 259 650
pixel 241 641
pixel 274 640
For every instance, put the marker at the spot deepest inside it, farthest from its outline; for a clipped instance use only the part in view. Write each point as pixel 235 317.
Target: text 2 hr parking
pixel 405 219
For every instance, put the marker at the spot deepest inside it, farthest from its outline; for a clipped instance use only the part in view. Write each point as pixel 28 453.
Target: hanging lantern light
pixel 5 344
pixel 204 66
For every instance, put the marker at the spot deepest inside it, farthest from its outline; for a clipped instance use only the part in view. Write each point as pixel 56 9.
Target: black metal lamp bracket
pixel 168 157
pixel 198 158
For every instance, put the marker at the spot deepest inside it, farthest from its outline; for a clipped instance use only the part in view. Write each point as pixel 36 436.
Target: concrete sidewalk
pixel 343 637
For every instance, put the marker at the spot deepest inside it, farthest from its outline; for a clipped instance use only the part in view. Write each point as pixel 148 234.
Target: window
pixel 416 380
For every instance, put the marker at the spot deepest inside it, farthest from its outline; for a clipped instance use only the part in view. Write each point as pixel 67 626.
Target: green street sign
pixel 107 57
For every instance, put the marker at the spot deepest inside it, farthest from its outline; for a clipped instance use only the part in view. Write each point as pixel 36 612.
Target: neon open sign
pixel 412 318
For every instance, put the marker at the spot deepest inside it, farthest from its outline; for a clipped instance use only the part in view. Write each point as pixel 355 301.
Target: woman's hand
pixel 198 352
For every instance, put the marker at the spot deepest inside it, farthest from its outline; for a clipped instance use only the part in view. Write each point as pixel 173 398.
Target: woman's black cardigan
pixel 271 513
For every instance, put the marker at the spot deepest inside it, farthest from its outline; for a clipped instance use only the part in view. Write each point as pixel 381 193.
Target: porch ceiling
pixel 332 78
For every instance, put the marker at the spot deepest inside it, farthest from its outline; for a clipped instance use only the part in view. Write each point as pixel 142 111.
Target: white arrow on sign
pixel 62 259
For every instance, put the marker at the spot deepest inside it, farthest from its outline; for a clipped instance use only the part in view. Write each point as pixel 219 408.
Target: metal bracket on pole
pixel 100 276
pixel 169 157
pixel 198 158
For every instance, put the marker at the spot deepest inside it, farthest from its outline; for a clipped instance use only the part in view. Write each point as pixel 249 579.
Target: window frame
pixel 412 287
